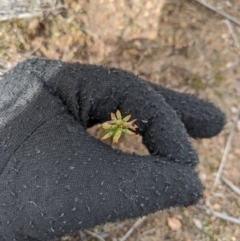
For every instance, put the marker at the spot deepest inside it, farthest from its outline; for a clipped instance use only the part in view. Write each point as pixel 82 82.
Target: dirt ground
pixel 180 44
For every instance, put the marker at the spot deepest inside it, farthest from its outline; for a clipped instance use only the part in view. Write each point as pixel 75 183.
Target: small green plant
pixel 118 125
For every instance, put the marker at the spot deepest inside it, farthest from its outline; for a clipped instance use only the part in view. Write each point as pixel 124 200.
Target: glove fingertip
pixel 209 122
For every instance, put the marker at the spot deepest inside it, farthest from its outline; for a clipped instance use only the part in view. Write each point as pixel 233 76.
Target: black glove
pixel 55 178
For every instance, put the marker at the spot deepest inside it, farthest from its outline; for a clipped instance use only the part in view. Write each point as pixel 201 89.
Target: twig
pixel 135 225
pixel 19 35
pixel 39 12
pixel 80 234
pixel 5 66
pixel 220 215
pixel 223 14
pixel 94 235
pixel 232 31
pixel 230 65
pixel 20 16
pixel 30 53
pixel 231 185
pixel 226 150
pixel 146 233
pixel 225 69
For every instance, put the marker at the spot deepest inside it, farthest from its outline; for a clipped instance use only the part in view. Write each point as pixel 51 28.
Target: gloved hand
pixel 55 178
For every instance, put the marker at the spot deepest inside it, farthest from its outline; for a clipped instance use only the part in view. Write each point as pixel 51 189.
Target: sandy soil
pixel 179 44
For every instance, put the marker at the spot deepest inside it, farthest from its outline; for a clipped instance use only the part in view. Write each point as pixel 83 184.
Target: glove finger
pixel 201 118
pixel 163 132
pixel 62 179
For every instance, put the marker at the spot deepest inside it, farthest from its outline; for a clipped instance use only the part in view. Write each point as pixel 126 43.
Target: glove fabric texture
pixel 55 178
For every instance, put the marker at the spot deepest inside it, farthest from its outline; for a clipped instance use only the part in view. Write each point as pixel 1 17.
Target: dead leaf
pixel 198 223
pixel 174 223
